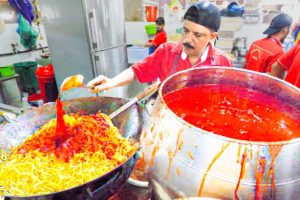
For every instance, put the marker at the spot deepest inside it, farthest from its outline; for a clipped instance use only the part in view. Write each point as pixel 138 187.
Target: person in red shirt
pixel 200 26
pixel 290 63
pixel 264 52
pixel 160 36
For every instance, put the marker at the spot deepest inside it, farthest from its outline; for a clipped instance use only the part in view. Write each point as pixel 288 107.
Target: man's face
pixel 195 38
pixel 159 27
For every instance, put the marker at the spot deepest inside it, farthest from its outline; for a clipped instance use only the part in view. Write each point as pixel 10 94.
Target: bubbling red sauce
pixel 234 112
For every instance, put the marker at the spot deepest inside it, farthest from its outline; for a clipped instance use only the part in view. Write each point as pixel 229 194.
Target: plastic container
pixel 150 29
pixel 47 83
pixel 25 104
pixel 151 13
pixel 7 71
pixel 26 70
pixel 136 54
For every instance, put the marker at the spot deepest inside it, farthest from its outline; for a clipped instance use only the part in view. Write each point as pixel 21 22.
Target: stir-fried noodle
pixel 38 166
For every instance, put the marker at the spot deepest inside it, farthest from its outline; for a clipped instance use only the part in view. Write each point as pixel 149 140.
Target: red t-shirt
pixel 263 54
pixel 160 38
pixel 291 62
pixel 160 63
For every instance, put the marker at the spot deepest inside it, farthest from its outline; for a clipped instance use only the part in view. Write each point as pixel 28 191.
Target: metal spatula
pixel 145 93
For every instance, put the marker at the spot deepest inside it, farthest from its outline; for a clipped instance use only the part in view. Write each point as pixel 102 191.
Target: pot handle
pixel 91 194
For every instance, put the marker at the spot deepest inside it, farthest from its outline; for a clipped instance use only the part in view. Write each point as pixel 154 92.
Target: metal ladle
pixel 77 81
pixel 73 81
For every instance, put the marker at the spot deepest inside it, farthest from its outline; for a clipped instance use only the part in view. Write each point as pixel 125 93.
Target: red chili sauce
pixel 234 112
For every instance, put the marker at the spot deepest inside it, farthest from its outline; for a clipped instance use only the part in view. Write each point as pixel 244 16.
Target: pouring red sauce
pixel 60 131
pixel 234 112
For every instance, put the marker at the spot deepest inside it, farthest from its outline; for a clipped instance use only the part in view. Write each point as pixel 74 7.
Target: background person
pixel 264 52
pixel 160 36
pixel 290 63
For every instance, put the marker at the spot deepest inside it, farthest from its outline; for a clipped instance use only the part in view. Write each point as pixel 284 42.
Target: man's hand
pixel 100 83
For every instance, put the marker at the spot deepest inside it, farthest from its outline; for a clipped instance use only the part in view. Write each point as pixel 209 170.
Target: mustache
pixel 187 45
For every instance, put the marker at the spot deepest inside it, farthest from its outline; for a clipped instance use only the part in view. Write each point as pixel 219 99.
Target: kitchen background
pixel 238 31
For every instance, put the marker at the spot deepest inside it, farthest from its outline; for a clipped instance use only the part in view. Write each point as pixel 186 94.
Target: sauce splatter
pixel 239 153
pixel 259 176
pixel 190 155
pixel 154 151
pixel 234 112
pixel 243 162
pixel 171 154
pixel 155 143
pixel 274 151
pixel 178 173
pixel 217 156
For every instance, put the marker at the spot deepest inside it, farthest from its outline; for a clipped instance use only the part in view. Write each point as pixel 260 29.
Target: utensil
pixel 145 93
pixel 73 81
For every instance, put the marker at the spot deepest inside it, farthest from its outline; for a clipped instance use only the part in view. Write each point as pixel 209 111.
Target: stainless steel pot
pixel 214 169
pixel 129 122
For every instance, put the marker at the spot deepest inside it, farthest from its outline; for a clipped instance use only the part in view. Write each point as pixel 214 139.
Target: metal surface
pixel 106 23
pixel 110 63
pixel 129 122
pixel 216 164
pixel 85 37
pixel 67 38
pixel 11 108
pixel 150 90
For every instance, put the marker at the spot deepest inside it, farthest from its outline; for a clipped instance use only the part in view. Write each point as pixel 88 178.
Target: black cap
pixel 204 13
pixel 278 22
pixel 160 21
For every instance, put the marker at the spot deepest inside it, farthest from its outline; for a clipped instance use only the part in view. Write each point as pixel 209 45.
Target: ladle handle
pixel 148 91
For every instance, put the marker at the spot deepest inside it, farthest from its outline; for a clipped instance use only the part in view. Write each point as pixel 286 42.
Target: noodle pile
pixel 38 166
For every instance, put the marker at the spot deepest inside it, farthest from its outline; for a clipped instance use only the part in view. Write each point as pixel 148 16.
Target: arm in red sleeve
pixel 148 69
pixel 272 60
pixel 277 71
pixel 286 60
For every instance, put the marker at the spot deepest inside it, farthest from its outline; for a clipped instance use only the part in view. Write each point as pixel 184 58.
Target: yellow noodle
pixel 37 173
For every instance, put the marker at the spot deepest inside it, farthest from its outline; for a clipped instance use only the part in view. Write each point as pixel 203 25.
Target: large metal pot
pixel 215 167
pixel 130 124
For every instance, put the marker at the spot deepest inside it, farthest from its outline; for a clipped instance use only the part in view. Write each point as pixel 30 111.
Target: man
pixel 264 52
pixel 160 37
pixel 201 23
pixel 289 62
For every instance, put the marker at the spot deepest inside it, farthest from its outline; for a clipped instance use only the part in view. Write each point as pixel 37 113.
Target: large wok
pixel 129 122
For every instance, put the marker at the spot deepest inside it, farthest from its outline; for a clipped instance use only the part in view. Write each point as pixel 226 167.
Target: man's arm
pixel 277 71
pixel 104 83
